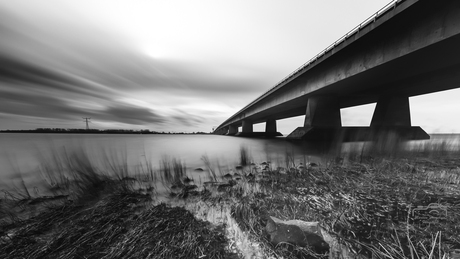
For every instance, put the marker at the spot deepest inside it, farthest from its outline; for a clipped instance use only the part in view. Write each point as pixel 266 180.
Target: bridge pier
pixel 391 117
pixel 232 130
pixel 270 126
pixel 222 131
pixel 247 127
pixel 270 130
pixel 391 111
pixel 322 119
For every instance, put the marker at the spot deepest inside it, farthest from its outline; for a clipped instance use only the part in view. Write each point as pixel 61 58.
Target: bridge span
pixel 409 48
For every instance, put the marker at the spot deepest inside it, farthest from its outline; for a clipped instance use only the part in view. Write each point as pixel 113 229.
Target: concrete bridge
pixel 409 48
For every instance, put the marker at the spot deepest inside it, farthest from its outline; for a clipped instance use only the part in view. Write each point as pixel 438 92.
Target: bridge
pixel 408 48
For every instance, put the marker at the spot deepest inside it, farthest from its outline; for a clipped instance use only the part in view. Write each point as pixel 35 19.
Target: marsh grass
pixel 100 214
pixel 366 202
pixel 211 171
pixel 245 158
pixel 173 171
pixel 117 226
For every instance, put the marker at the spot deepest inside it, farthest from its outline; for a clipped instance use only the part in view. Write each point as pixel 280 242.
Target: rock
pixel 190 187
pixel 210 183
pixel 296 232
pixel 224 186
pixel 228 177
pixel 455 254
pixel 199 169
pixel 187 180
pixel 176 186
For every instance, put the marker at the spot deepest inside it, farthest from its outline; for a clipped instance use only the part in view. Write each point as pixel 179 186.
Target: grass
pixel 117 226
pixel 366 205
pixel 363 199
pixel 244 156
pixel 102 215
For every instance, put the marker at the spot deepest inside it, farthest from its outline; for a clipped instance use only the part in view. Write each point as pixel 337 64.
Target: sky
pixel 177 66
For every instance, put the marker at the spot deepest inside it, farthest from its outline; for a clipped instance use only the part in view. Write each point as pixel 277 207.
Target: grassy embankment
pixel 364 200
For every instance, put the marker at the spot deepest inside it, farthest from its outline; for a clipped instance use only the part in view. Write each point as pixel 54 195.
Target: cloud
pixel 57 68
pixel 131 115
pixel 187 119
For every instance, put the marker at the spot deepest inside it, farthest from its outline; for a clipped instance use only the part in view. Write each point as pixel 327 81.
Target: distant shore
pixel 97 131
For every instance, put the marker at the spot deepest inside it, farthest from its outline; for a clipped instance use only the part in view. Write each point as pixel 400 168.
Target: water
pixel 21 155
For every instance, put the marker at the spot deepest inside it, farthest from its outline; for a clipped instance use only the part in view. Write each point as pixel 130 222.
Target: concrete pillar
pixel 247 126
pixel 323 111
pixel 391 111
pixel 232 130
pixel 270 126
pixel 222 131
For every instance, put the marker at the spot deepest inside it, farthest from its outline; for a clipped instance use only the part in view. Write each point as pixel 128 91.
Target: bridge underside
pixel 413 51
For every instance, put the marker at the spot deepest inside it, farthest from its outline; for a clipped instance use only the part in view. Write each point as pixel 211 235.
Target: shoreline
pixel 364 205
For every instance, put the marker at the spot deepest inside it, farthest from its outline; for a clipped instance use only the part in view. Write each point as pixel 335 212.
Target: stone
pixel 228 177
pixel 296 232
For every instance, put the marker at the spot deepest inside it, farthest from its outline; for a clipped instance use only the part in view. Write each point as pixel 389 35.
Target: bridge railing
pixel 365 23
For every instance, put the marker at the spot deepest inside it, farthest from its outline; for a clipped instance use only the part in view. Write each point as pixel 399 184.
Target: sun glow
pixel 154 52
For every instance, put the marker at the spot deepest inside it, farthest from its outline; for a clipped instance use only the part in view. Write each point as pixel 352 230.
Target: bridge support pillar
pixel 232 130
pixel 222 131
pixel 270 130
pixel 322 119
pixel 323 111
pixel 391 120
pixel 270 126
pixel 247 126
pixel 391 111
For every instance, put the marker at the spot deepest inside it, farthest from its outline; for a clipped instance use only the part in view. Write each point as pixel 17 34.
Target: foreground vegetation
pixel 368 203
pixel 102 217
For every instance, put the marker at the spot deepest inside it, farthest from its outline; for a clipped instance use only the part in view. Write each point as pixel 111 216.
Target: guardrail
pixel 368 21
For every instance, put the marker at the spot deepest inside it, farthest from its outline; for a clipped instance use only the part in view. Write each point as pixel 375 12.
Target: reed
pixel 365 199
pixel 366 205
pixel 245 158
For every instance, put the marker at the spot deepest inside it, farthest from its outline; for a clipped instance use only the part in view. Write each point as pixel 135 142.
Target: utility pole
pixel 87 121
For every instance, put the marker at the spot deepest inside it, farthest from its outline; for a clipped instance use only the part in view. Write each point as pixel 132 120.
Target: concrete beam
pixel 391 111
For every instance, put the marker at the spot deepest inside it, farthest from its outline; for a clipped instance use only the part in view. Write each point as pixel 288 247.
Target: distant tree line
pixel 95 131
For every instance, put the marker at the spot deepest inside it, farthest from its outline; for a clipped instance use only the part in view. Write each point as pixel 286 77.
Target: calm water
pixel 23 154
